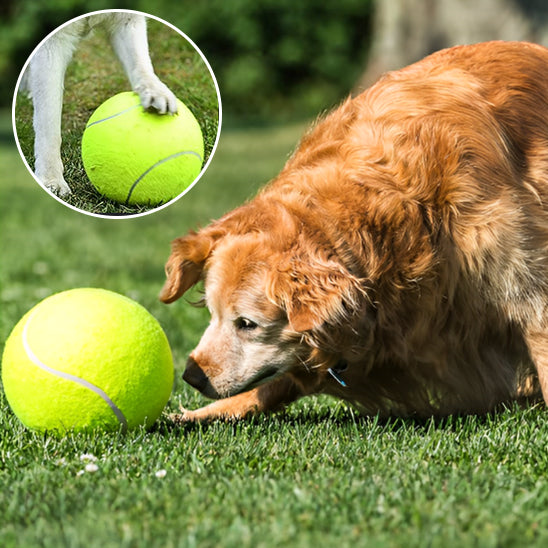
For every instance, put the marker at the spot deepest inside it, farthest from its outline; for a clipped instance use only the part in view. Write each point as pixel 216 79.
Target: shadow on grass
pixel 339 415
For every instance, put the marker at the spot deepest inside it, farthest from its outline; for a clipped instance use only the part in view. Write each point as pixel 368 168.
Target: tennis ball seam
pixel 67 376
pixel 159 162
pixel 113 115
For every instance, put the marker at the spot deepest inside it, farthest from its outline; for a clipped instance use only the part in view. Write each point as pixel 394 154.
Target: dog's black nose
pixel 194 375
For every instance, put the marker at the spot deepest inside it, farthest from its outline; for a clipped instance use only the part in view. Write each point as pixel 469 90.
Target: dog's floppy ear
pixel 186 262
pixel 190 253
pixel 314 290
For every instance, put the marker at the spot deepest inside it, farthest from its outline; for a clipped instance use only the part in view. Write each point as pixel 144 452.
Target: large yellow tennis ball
pixel 84 359
pixel 136 156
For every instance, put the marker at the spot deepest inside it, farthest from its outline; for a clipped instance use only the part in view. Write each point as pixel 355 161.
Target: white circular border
pixel 204 168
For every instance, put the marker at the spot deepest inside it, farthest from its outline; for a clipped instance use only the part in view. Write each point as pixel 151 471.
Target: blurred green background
pixel 273 58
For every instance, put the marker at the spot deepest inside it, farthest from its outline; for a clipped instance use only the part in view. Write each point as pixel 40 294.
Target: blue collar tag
pixel 336 376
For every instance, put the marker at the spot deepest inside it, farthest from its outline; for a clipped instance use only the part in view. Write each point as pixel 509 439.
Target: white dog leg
pixel 129 41
pixel 46 76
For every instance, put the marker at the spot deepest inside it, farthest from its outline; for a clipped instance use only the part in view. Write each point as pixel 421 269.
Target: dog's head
pixel 271 292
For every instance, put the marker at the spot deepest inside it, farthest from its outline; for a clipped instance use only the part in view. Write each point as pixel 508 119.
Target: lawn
pixel 94 75
pixel 315 475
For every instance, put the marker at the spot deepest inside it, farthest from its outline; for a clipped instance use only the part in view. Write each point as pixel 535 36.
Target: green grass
pixel 315 475
pixel 94 75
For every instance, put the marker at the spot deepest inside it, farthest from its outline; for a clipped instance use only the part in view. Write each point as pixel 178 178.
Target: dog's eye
pixel 245 324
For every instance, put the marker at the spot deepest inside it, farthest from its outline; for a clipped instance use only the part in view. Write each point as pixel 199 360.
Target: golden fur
pixel 402 251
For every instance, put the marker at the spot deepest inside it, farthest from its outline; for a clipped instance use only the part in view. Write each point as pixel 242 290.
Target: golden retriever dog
pixel 400 259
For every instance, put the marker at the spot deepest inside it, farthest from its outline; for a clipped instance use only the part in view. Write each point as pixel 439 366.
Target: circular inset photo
pixel 117 113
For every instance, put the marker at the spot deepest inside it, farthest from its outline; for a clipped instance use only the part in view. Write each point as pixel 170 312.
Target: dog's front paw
pixel 183 417
pixel 58 186
pixel 48 169
pixel 203 414
pixel 158 96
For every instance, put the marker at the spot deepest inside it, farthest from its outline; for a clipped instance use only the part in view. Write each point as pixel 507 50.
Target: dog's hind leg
pixel 128 36
pixel 537 341
pixel 267 397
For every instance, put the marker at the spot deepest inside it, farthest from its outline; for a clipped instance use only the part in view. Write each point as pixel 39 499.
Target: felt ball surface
pixel 137 156
pixel 85 359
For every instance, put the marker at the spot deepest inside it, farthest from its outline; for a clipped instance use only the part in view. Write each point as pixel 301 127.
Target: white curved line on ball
pixel 67 376
pixel 160 162
pixel 113 115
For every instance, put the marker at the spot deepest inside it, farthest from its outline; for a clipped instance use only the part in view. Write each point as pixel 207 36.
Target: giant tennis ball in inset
pixel 85 359
pixel 137 156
